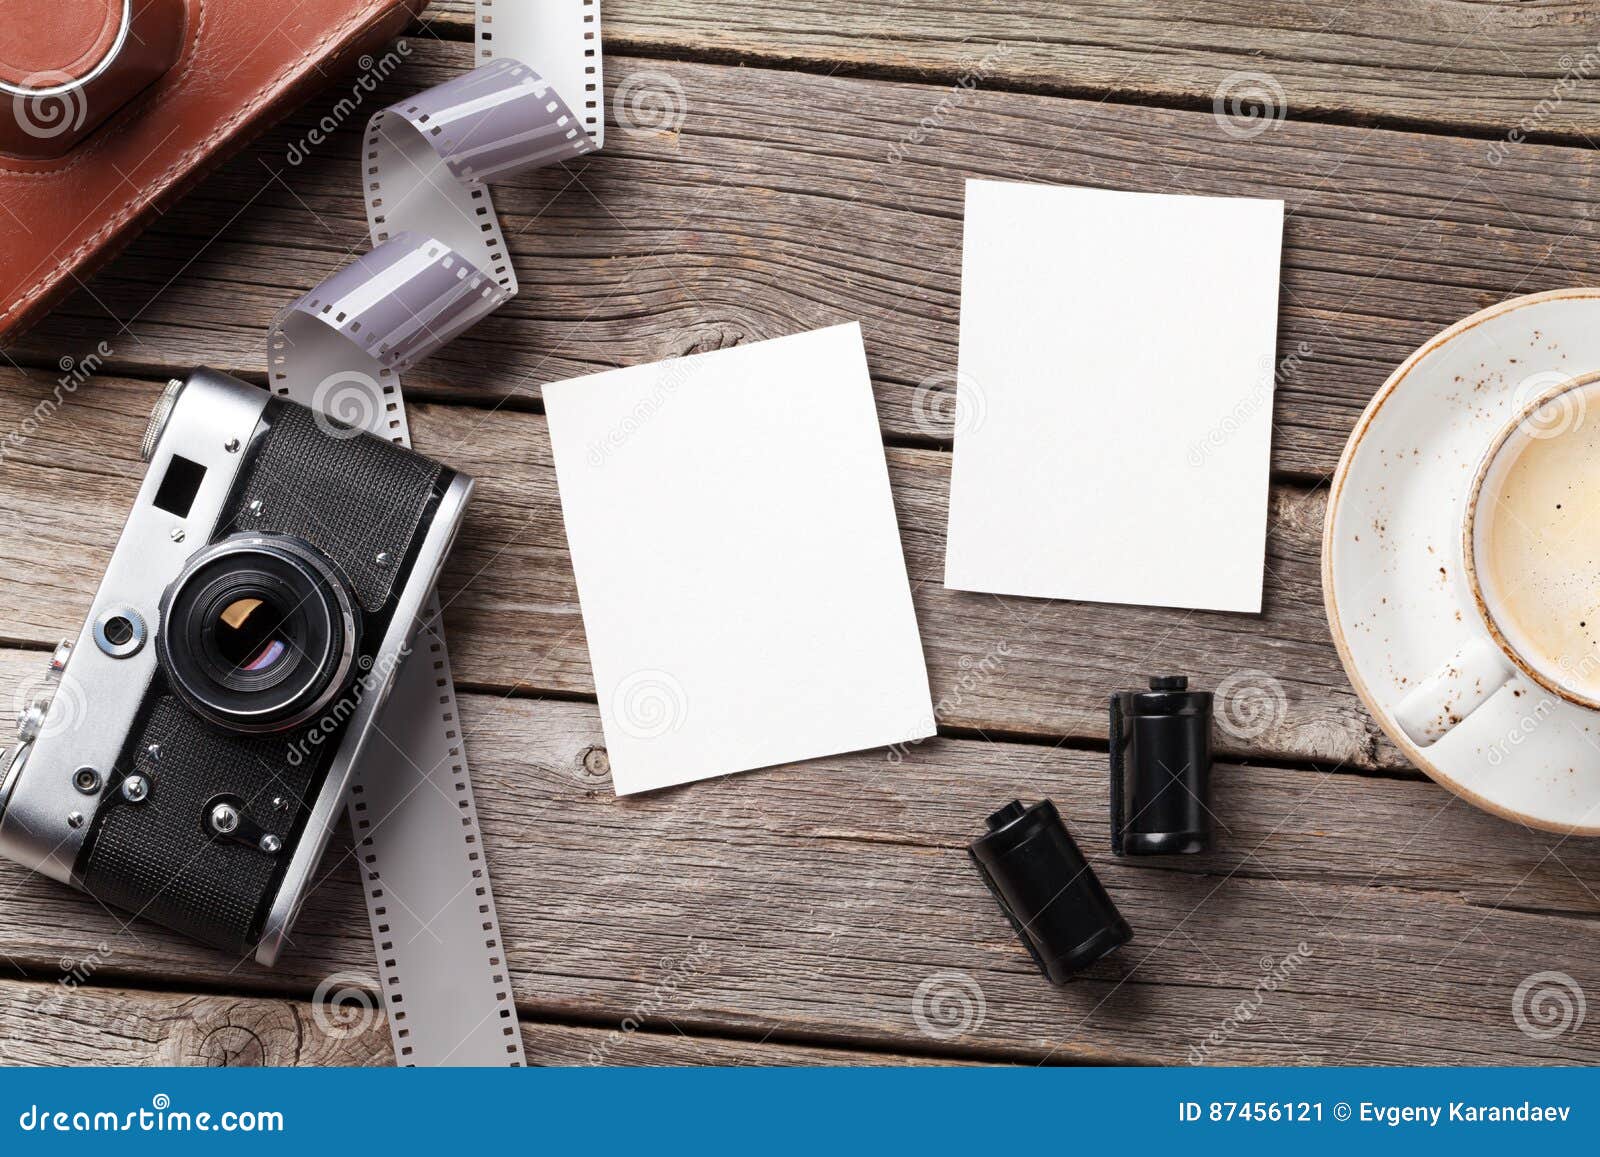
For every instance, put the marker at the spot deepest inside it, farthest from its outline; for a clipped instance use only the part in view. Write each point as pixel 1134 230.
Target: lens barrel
pixel 258 633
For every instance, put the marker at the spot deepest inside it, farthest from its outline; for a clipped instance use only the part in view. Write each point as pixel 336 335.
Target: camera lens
pixel 249 633
pixel 258 633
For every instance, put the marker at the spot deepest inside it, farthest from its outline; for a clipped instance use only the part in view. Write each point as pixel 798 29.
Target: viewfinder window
pixel 178 487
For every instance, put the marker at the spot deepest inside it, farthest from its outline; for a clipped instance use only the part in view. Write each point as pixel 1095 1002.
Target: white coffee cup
pixel 1488 662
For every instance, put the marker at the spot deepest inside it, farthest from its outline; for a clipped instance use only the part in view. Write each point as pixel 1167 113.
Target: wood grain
pixel 999 665
pixel 813 903
pixel 52 1024
pixel 768 917
pixel 1482 67
pixel 775 207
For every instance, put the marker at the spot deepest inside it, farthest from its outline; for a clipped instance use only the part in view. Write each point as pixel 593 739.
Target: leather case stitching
pixel 181 166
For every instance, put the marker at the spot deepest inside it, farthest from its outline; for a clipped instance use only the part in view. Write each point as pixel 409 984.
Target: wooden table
pixel 793 915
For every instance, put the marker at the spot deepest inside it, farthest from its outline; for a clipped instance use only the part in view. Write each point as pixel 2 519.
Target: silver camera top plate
pixel 47 817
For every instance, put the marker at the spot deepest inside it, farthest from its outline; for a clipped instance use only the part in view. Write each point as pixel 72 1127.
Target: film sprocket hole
pixel 277 563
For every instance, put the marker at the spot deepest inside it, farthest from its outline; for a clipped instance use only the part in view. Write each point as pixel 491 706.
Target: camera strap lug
pixel 225 820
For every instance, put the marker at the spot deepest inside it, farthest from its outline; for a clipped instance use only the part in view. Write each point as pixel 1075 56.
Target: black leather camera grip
pixel 365 504
pixel 154 858
pixel 361 501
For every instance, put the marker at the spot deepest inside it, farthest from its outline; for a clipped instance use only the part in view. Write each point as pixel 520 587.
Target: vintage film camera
pixel 195 754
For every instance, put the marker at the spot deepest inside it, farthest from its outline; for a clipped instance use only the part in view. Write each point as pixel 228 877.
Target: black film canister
pixel 1161 769
pixel 1047 889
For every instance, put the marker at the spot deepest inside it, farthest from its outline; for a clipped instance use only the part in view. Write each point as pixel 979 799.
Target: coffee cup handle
pixel 1466 682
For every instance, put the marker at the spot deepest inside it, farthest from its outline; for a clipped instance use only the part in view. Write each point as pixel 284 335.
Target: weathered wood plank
pixel 52 1024
pixel 816 900
pixel 1480 66
pixel 1006 665
pixel 776 207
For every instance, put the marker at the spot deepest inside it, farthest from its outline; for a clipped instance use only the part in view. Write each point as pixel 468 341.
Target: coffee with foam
pixel 1537 540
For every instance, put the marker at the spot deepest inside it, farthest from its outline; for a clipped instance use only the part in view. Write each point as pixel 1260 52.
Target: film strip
pixel 509 27
pixel 439 264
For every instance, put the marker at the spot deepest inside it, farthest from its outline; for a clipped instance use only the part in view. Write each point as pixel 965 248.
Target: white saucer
pixel 1397 602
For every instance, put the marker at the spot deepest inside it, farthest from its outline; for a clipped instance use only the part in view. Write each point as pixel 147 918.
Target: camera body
pixel 196 749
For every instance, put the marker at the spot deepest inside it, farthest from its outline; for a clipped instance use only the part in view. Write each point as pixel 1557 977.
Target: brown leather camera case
pixel 111 109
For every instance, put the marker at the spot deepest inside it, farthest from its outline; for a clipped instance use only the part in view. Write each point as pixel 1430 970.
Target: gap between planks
pixel 99 1024
pixel 893 439
pixel 819 898
pixel 772 208
pixel 1017 667
pixel 1350 69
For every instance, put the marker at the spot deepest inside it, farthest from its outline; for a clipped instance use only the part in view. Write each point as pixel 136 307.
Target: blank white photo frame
pixel 737 559
pixel 1114 397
